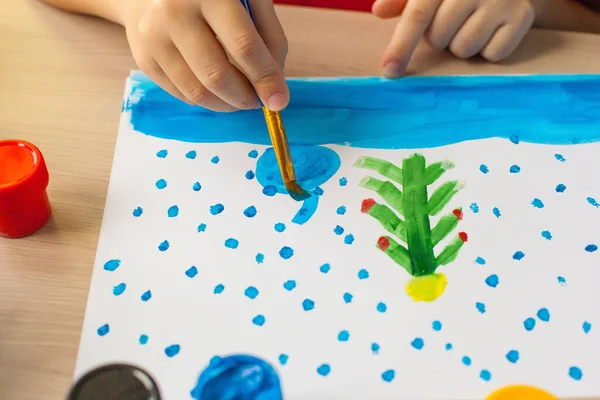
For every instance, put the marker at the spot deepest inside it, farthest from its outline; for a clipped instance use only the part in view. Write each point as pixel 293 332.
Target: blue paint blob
pixel 417 343
pixel 196 186
pixel 492 280
pixel 138 212
pixel 343 336
pixel 147 295
pixel 586 327
pixel 219 288
pixel 485 375
pixel 191 154
pixel 512 356
pixel 279 227
pixel 590 248
pixel 259 320
pixel 217 209
pixel 251 292
pixel 191 272
pixel 363 274
pixel 143 339
pixel 543 314
pixel 202 228
pixel 343 181
pixel 289 285
pixel 448 346
pixel 325 268
pixel 324 369
pixel 436 326
pixel 593 202
pixel 529 324
pixel 318 191
pixel 341 210
pixel 514 139
pixel 164 245
pixel 253 154
pixel 537 203
pixel 308 304
pixel 480 260
pixel 215 160
pixel 474 208
pixel 308 209
pixel 560 157
pixel 250 212
pixel 112 265
pixel 560 188
pixel 119 289
pixel 561 280
pixel 103 330
pixel 283 359
pixel 547 235
pixel 480 307
pixel 249 174
pixel 515 169
pixel 348 297
pixel 466 360
pixel 575 373
pixel 161 184
pixel 381 307
pixel 286 252
pixel 232 243
pixel 484 168
pixel 375 347
pixel 269 190
pixel 518 255
pixel 496 212
pixel 338 230
pixel 260 258
pixel 172 350
pixel 388 375
pixel 173 211
pixel 162 153
pixel 349 239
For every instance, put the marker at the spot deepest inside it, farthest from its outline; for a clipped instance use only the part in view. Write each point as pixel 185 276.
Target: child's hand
pixel 175 43
pixel 492 28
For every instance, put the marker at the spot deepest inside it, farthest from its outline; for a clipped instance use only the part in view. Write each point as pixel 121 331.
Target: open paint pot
pixel 115 382
pixel 24 204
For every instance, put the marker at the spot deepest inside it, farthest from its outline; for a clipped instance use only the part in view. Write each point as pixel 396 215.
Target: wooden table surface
pixel 61 83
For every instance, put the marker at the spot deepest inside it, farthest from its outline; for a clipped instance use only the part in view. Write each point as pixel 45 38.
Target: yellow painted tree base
pixel 520 392
pixel 426 288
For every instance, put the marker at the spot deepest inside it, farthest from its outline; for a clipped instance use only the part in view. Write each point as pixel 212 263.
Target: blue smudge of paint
pixel 269 190
pixel 286 252
pixel 515 169
pixel 593 202
pixel 381 307
pixel 217 209
pixel 249 174
pixel 518 255
pixel 529 324
pixel 191 272
pixel 341 210
pixel 338 230
pixel 343 336
pixel 485 375
pixel 586 327
pixel 575 373
pixel 283 359
pixel 172 350
pixel 308 304
pixel 147 295
pixel 260 258
pixel 417 343
pixel 343 181
pixel 162 153
pixel 191 154
pixel 279 227
pixel 484 169
pixel 143 339
pixel 112 265
pixel 325 268
pixel 324 369
pixel 173 211
pixel 466 360
pixel 512 356
pixel 196 186
pixel 537 203
pixel 289 285
pixel 138 212
pixel 349 239
pixel 448 346
pixel 543 314
pixel 103 330
pixel 201 228
pixel 253 154
pixel 480 260
pixel 560 157
pixel 161 184
pixel 119 289
pixel 514 139
pixel 219 288
pixel 251 292
pixel 308 209
pixel 318 191
pixel 259 320
pixel 375 347
pixel 215 160
pixel 496 212
pixel 363 274
pixel 436 326
pixel 232 243
pixel 347 297
pixel 492 280
pixel 388 375
pixel 480 307
pixel 547 235
pixel 474 208
pixel 560 188
pixel 164 245
pixel 561 280
pixel 590 248
pixel 250 212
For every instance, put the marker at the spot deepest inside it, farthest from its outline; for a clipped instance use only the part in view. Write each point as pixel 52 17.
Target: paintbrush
pixel 280 144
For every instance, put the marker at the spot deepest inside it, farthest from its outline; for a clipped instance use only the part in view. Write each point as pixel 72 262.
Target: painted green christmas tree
pixel 407 218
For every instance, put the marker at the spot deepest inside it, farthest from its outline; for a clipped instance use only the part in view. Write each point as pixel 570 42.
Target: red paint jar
pixel 24 204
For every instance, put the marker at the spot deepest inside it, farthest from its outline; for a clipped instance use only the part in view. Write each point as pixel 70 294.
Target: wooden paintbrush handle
pixel 280 144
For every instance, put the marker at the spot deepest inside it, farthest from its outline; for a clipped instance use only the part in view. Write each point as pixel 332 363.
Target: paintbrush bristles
pixel 296 191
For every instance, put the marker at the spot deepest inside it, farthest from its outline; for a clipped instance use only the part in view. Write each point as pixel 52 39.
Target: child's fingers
pixel 448 19
pixel 505 41
pixel 386 9
pixel 270 29
pixel 474 34
pixel 158 76
pixel 414 21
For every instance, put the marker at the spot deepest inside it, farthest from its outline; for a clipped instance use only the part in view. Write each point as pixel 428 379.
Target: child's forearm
pixel 569 15
pixel 107 9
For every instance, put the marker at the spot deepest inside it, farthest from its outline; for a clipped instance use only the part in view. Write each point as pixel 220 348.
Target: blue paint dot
pixel 593 202
pixel 119 289
pixel 325 268
pixel 143 339
pixel 103 330
pixel 448 346
pixel 561 280
pixel 260 258
pixel 286 252
pixel 196 187
pixel 318 191
pixel 417 343
pixel 363 274
pixel 219 288
pixel 474 208
pixel 172 350
pixel 480 260
pixel 514 139
pixel 560 157
pixel 232 243
pixel 375 347
pixel 515 169
pixel 381 307
pixel 341 210
pixel 112 265
pixel 164 245
pixel 279 227
pixel 269 190
pixel 512 356
pixel 191 272
pixel 138 212
pixel 543 314
pixel 161 184
pixel 560 188
pixel 348 298
pixel 496 212
pixel 191 154
pixel 483 168
pixel 547 235
pixel 173 211
pixel 586 327
pixel 308 304
pixel 349 239
pixel 251 292
pixel 162 153
pixel 485 375
pixel 343 336
pixel 466 360
pixel 250 212
pixel 575 373
pixel 253 154
pixel 201 228
pixel 215 160
pixel 480 307
pixel 283 359
pixel 436 326
pixel 343 181
pixel 518 255
pixel 590 248
pixel 324 369
pixel 537 203
pixel 217 209
pixel 492 280
pixel 147 295
pixel 289 285
pixel 388 375
pixel 529 324
pixel 338 230
pixel 249 175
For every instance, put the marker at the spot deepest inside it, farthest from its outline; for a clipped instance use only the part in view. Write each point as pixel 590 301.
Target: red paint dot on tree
pixel 383 243
pixel 366 205
pixel 463 236
pixel 458 213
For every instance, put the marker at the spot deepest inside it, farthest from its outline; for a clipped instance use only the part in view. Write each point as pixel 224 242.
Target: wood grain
pixel 61 83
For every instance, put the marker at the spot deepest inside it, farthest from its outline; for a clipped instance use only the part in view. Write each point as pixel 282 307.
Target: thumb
pixel 387 9
pixel 270 29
